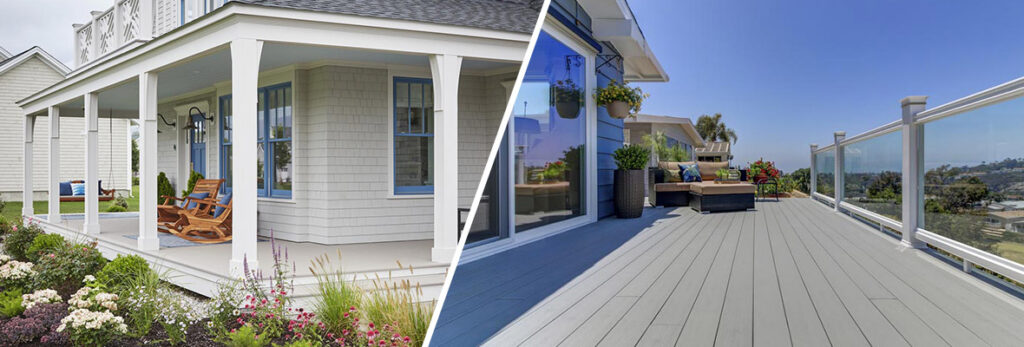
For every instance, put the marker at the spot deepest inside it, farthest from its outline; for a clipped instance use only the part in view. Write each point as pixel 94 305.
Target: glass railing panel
pixel 872 177
pixel 974 178
pixel 824 169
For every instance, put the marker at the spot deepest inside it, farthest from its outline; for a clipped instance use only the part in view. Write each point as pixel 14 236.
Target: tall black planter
pixel 629 193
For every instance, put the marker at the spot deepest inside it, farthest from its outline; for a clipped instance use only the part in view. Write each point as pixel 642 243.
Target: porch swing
pixel 66 191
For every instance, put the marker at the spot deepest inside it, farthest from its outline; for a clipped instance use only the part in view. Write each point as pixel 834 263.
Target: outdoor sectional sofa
pixel 704 197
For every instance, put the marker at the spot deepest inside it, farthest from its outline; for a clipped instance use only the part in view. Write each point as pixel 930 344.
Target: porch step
pixel 428 284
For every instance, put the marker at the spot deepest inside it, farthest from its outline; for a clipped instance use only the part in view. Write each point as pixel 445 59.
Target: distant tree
pixel 711 128
pixel 658 143
pixel 802 179
pixel 135 156
pixel 886 187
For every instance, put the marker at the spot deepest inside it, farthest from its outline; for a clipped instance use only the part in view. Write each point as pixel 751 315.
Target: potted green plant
pixel 629 180
pixel 620 100
pixel 567 97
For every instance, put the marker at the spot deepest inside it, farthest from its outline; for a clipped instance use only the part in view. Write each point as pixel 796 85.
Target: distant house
pixel 22 75
pixel 1007 220
pixel 677 130
pixel 714 151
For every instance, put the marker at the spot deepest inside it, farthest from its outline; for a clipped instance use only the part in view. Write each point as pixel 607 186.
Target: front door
pixel 197 143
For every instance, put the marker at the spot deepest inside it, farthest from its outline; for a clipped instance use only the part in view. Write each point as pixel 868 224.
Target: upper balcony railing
pixel 950 178
pixel 133 21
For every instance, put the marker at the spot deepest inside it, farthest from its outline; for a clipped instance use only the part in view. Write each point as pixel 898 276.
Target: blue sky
pixel 785 74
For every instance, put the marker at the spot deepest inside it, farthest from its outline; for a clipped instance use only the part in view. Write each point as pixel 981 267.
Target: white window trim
pixel 565 36
pixel 392 73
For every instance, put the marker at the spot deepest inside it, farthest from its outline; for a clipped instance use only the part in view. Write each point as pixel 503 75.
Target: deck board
pixel 790 273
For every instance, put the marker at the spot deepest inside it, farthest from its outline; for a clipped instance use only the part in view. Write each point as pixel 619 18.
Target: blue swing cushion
pixel 65 189
pixel 226 199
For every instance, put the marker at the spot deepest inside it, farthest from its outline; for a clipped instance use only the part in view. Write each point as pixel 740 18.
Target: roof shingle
pixel 505 15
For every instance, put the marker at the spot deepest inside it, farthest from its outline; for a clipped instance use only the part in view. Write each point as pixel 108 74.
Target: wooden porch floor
pixel 791 273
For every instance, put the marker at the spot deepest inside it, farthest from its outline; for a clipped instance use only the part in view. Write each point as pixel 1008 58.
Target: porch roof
pixel 505 15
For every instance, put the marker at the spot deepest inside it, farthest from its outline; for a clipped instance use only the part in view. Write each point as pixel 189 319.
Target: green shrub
pixel 45 243
pixel 135 181
pixel 10 303
pixel 123 272
pixel 5 227
pixel 244 336
pixel 3 204
pixel 18 241
pixel 163 187
pixel 116 208
pixel 192 178
pixel 632 157
pixel 64 269
pixel 120 200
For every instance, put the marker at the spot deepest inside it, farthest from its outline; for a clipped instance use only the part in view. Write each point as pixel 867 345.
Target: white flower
pixel 16 270
pixel 92 320
pixel 89 278
pixel 44 296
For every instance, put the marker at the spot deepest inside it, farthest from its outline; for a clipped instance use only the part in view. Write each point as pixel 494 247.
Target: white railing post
pixel 94 50
pixel 838 173
pixel 118 25
pixel 78 45
pixel 814 175
pixel 913 171
pixel 146 19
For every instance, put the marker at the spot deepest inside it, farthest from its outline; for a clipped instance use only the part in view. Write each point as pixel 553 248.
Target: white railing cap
pixel 914 100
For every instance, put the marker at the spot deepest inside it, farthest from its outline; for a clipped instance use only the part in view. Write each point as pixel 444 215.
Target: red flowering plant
pixel 766 167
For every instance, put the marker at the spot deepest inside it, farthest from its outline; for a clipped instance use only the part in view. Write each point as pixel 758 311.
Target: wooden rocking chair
pixel 206 228
pixel 168 211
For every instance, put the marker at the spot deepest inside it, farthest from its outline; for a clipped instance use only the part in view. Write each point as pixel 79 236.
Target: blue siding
pixel 609 138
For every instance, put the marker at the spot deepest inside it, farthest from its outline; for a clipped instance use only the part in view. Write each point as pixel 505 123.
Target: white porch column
pixel 913 171
pixel 53 210
pixel 148 240
pixel 245 65
pixel 445 70
pixel 839 137
pixel 26 197
pixel 814 173
pixel 92 220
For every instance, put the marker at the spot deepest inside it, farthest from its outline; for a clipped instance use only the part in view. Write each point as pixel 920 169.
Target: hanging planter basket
pixel 568 109
pixel 618 109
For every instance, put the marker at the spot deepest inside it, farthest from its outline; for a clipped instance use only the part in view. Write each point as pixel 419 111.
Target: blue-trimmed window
pixel 414 136
pixel 273 141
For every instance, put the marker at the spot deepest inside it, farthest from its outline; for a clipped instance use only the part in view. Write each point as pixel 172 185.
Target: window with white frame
pixel 273 141
pixel 413 121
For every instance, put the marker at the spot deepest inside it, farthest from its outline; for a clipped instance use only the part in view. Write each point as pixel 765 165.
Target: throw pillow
pixel 78 188
pixel 690 173
pixel 196 197
pixel 224 200
pixel 673 176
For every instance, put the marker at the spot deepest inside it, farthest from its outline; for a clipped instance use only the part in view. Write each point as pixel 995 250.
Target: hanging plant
pixel 567 97
pixel 620 100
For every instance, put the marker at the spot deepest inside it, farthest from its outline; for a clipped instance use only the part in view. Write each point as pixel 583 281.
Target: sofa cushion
pixel 712 188
pixel 672 165
pixel 708 169
pixel 65 189
pixel 690 173
pixel 672 176
pixel 224 200
pixel 672 187
pixel 196 197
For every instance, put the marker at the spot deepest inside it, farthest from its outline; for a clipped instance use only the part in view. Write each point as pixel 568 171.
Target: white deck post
pixel 839 137
pixel 245 64
pixel 53 208
pixel 26 197
pixel 445 70
pixel 913 171
pixel 148 240
pixel 92 220
pixel 814 174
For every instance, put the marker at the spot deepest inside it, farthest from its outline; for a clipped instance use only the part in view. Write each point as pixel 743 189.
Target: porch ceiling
pixel 122 100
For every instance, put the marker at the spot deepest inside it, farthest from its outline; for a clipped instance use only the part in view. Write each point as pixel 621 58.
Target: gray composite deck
pixel 790 273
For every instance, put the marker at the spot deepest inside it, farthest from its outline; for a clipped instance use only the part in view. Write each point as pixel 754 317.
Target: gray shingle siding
pixel 505 15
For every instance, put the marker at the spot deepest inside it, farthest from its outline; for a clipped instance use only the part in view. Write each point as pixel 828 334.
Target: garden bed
pixel 56 292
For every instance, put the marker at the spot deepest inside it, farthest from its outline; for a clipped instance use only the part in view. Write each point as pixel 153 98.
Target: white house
pixel 28 72
pixel 360 126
